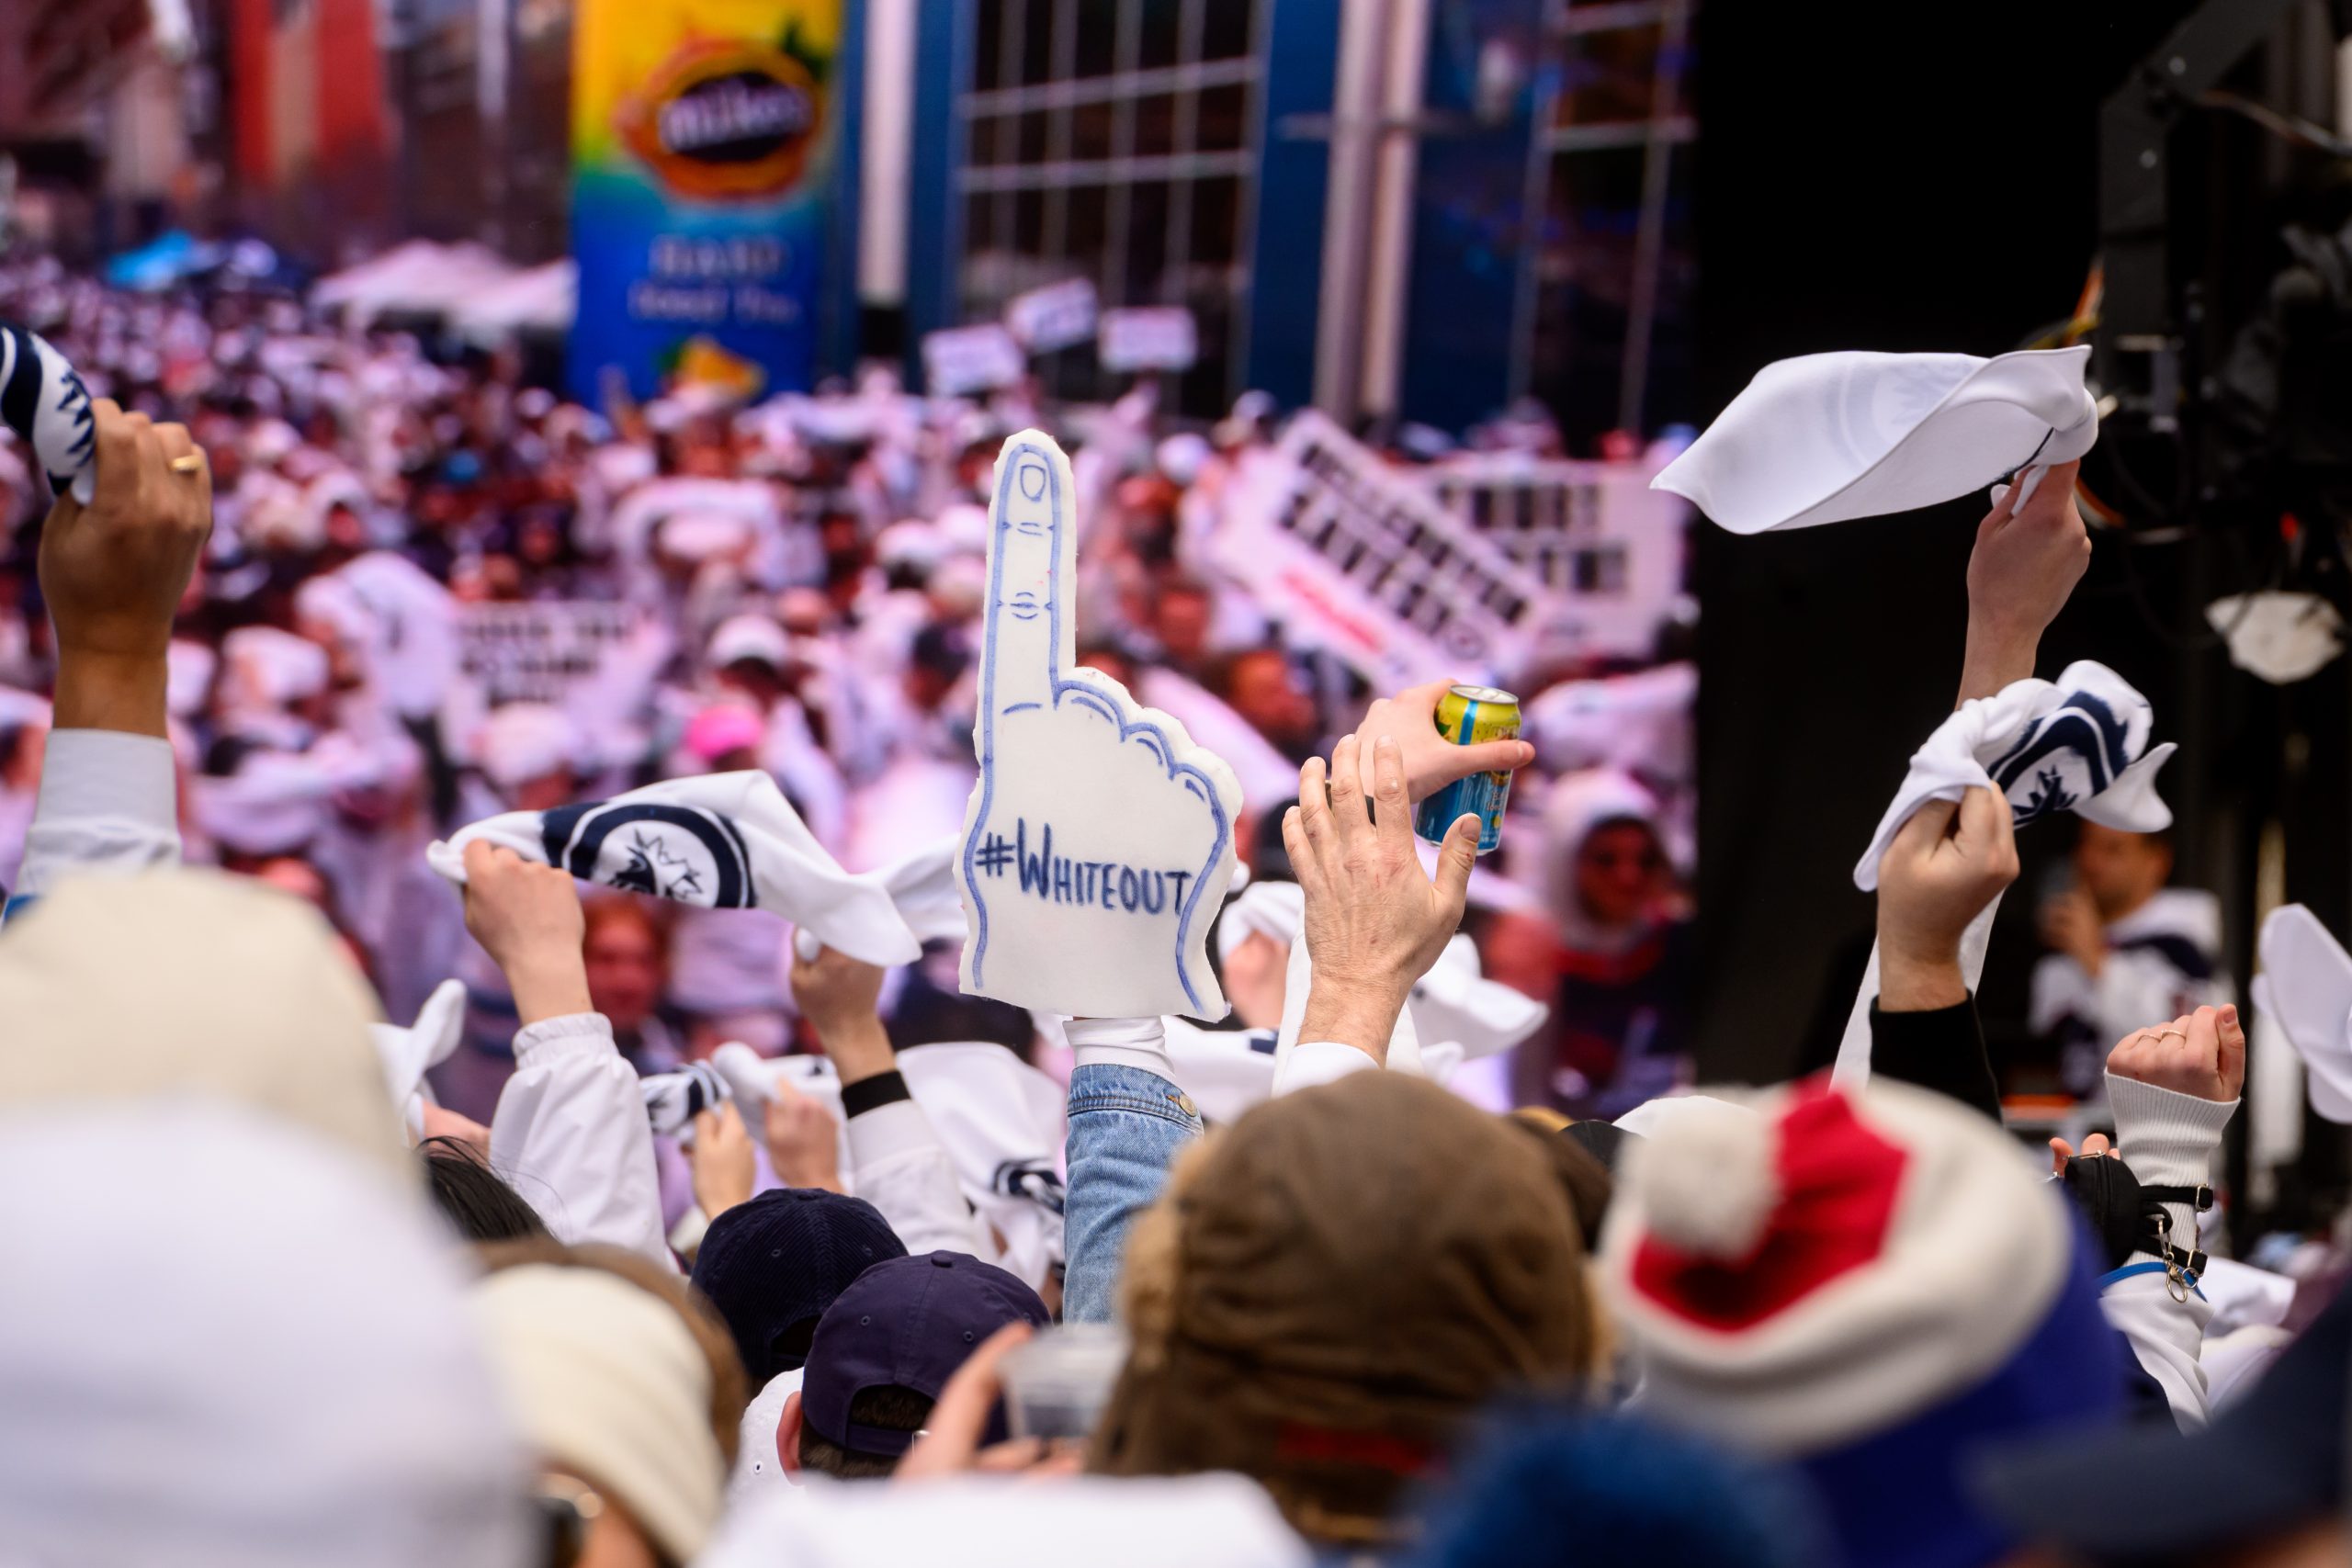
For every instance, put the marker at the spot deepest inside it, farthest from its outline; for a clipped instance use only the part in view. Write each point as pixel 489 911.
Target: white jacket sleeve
pixel 898 1165
pixel 2168 1140
pixel 1319 1062
pixel 109 803
pixel 570 1133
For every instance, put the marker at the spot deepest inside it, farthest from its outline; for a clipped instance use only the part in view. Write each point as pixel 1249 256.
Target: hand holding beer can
pixel 1467 716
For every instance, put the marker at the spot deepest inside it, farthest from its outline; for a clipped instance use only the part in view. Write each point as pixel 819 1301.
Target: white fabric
pixel 752 1079
pixel 722 841
pixel 1225 1071
pixel 672 1100
pixel 2140 982
pixel 189 1380
pixel 2279 636
pixel 605 1379
pixel 1001 1122
pixel 2306 988
pixel 2078 744
pixel 2169 1139
pixel 570 1136
pixel 1317 1062
pixel 1273 909
pixel 408 1054
pixel 1198 1521
pixel 106 804
pixel 522 741
pixel 1454 1003
pixel 59 431
pixel 1824 437
pixel 900 1166
pixel 758 1468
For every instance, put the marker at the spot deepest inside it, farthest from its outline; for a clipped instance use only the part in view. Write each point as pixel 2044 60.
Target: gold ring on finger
pixel 187 464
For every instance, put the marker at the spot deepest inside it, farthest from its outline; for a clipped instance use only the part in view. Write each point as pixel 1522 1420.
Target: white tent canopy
pixel 420 277
pixel 541 299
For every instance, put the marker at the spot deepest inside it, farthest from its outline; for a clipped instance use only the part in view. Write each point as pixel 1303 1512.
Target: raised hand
pixel 2027 558
pixel 1374 921
pixel 1945 865
pixel 720 1159
pixel 1099 840
pixel 1431 762
pixel 526 917
pixel 113 570
pixel 803 1139
pixel 2200 1053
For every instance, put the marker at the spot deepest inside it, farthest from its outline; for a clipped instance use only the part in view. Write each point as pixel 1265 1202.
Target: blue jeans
pixel 1125 1127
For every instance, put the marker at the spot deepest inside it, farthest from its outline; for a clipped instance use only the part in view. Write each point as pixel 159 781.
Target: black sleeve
pixel 1943 1050
pixel 874 1094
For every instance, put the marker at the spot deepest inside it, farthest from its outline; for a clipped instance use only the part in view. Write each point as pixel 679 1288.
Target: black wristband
pixel 872 1094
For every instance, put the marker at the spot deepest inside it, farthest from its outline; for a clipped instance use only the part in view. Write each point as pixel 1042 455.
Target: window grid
pixel 1118 195
pixel 1608 175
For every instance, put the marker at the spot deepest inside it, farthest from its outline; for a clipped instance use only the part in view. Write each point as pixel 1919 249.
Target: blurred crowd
pixel 433 591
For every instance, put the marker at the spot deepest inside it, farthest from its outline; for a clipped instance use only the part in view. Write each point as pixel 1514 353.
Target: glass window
pixel 1155 125
pixel 1163 31
pixel 1228 30
pixel 1097 37
pixel 1223 125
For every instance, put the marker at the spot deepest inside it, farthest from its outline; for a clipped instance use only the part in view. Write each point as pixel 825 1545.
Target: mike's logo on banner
pixel 726 119
pixel 703 141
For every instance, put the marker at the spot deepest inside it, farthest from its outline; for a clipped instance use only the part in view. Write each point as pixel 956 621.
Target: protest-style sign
pixel 1605 547
pixel 1060 315
pixel 963 360
pixel 1149 337
pixel 1367 563
pixel 1098 840
pixel 538 651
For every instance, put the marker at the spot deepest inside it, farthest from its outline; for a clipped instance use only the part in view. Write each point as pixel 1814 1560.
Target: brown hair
pixel 1329 1288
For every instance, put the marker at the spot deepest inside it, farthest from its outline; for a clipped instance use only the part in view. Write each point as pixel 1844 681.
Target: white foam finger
pixel 1029 634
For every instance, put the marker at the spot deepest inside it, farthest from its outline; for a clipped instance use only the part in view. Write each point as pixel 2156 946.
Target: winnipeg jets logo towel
pixel 720 842
pixel 43 400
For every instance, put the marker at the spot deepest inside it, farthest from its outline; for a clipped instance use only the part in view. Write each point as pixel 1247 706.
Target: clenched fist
pixel 2200 1053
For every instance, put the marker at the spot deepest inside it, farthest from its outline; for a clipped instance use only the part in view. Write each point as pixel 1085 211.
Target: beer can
pixel 1468 715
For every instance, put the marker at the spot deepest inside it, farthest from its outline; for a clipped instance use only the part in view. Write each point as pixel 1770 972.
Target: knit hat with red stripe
pixel 1871 1286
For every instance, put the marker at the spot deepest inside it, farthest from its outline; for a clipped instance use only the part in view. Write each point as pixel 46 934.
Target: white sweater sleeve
pixel 1314 1062
pixel 572 1135
pixel 898 1165
pixel 109 803
pixel 2168 1140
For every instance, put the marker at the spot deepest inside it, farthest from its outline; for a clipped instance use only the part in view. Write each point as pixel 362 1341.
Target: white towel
pixel 672 1100
pixel 49 410
pixel 1826 437
pixel 408 1054
pixel 2079 745
pixel 1002 1124
pixel 2305 987
pixel 1455 1004
pixel 719 842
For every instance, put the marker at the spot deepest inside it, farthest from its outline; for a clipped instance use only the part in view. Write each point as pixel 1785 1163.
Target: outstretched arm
pixel 569 1130
pixel 2025 565
pixel 1945 867
pixel 113 572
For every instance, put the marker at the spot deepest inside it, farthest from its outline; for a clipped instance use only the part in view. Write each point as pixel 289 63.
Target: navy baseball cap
pixel 906 1323
pixel 775 1263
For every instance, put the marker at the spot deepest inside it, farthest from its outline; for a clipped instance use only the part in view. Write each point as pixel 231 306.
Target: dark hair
pixel 471 1196
pixel 890 1407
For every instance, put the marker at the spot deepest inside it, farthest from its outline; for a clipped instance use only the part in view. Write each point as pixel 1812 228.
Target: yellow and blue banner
pixel 703 134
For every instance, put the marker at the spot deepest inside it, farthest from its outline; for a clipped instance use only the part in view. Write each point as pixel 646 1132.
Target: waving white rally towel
pixel 2306 988
pixel 719 842
pixel 2079 744
pixel 672 1100
pixel 1826 437
pixel 408 1054
pixel 922 886
pixel 45 403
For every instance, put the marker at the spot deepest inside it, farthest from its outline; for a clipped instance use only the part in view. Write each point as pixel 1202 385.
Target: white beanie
pixel 230 1345
pixel 606 1379
pixel 182 983
pixel 522 741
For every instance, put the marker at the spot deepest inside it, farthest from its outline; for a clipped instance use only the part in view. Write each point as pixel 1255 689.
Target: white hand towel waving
pixel 1826 437
pixel 718 841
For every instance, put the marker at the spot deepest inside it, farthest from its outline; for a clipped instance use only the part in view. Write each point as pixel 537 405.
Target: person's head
pixel 1607 866
pixel 1573 1486
pixel 936 661
pixel 529 751
pixel 1181 619
pixel 749 654
pixel 772 1266
pixel 628 1387
pixel 193 1376
pixel 1331 1287
pixel 1871 1287
pixel 473 1198
pixel 2121 871
pixel 883 1351
pixel 628 956
pixel 1259 684
pixel 1110 660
